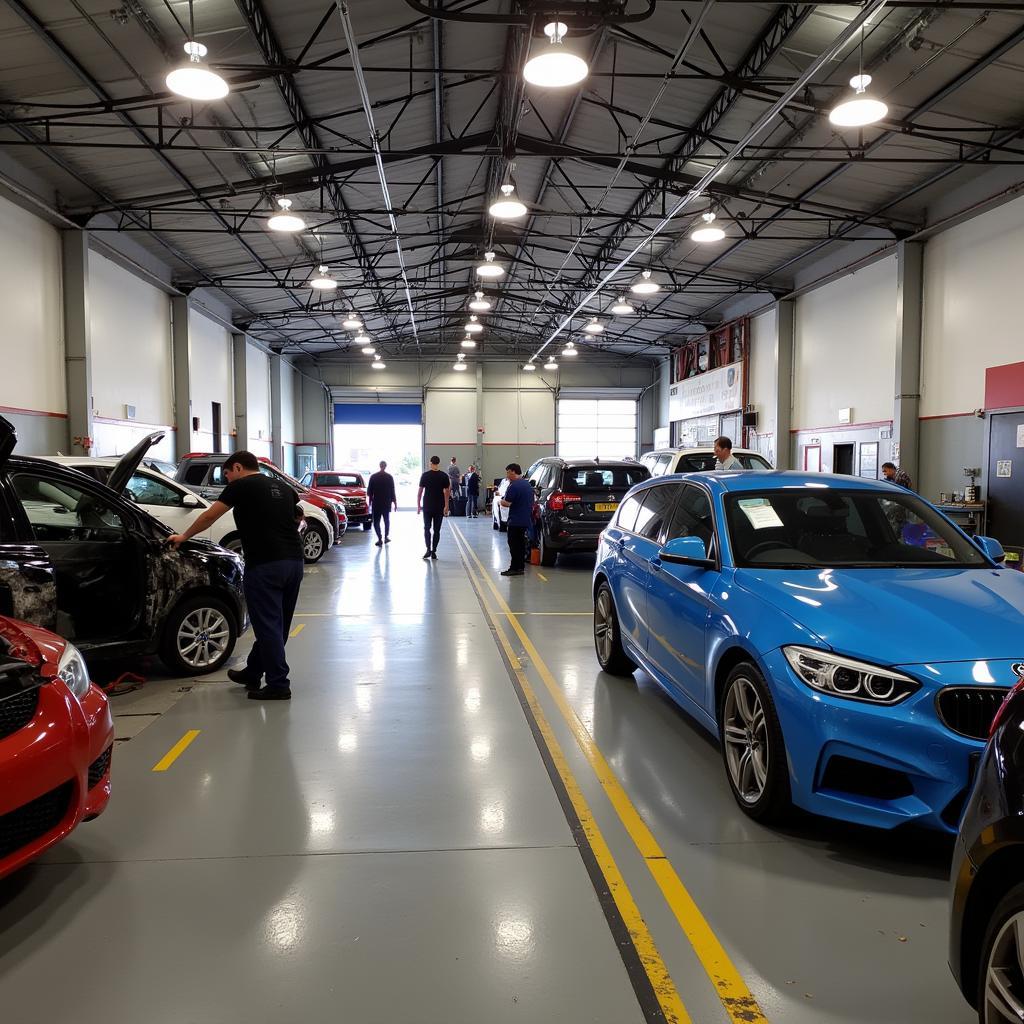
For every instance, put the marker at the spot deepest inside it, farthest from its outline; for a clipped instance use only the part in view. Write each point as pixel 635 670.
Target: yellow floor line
pixel 541 576
pixel 661 981
pixel 297 630
pixel 176 751
pixel 737 999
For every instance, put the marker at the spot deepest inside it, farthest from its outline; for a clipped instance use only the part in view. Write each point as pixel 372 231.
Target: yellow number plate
pixel 606 506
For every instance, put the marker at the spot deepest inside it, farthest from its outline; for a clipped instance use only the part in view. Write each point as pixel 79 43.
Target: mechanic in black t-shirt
pixel 266 512
pixel 432 501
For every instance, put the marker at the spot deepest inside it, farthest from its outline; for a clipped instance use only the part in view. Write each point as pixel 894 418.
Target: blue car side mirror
pixel 991 547
pixel 686 551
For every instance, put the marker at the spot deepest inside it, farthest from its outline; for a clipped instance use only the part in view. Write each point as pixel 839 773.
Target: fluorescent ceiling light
pixel 285 221
pixel 194 80
pixel 460 367
pixel 570 350
pixel 369 350
pixel 644 285
pixel 594 327
pixel 352 322
pixel 859 109
pixel 551 365
pixel 480 304
pixel 474 326
pixel 322 282
pixel 489 268
pixel 508 207
pixel 361 339
pixel 622 307
pixel 555 66
pixel 708 233
pixel 529 367
pixel 468 342
pixel 377 364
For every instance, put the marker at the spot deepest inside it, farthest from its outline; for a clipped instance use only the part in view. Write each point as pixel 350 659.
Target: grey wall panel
pixel 40 435
pixel 947 445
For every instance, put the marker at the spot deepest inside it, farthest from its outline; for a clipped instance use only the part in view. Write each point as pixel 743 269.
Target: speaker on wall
pixel 750 419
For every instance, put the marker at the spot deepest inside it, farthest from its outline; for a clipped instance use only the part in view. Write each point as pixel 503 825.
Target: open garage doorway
pixel 364 434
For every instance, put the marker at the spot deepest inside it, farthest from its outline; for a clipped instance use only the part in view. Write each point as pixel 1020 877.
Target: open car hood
pixel 125 469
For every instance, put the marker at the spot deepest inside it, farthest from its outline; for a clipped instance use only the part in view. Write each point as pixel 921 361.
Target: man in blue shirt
pixel 519 502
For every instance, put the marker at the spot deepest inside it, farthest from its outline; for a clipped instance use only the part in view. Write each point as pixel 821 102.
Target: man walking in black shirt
pixel 381 491
pixel 432 501
pixel 266 511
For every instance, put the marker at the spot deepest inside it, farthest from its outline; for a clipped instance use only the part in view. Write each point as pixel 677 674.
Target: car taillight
pixel 1007 700
pixel 558 500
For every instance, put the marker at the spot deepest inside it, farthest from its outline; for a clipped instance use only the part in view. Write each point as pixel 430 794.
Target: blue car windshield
pixel 806 527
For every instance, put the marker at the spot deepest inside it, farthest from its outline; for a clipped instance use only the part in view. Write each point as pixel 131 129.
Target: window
pixel 147 490
pixel 692 517
pixel 657 502
pixel 601 428
pixel 58 511
pixel 307 480
pixel 662 465
pixel 603 478
pixel 334 480
pixel 195 474
pixel 627 512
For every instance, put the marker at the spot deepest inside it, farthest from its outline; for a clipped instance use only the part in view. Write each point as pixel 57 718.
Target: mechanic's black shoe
pixel 379 544
pixel 271 693
pixel 513 572
pixel 433 554
pixel 244 676
pixel 387 540
pixel 426 554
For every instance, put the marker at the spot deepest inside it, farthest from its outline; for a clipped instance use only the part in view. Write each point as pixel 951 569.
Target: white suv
pixel 697 460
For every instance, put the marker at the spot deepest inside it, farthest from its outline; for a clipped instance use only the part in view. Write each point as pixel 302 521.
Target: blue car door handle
pixel 655 564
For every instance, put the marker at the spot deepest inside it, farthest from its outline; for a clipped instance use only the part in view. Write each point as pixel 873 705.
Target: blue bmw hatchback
pixel 845 642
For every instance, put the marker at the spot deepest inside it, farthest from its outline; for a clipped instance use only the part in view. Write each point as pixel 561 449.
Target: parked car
pixel 176 506
pixel 846 642
pixel 576 499
pixel 79 558
pixel 986 935
pixel 665 461
pixel 56 741
pixel 499 515
pixel 203 473
pixel 347 486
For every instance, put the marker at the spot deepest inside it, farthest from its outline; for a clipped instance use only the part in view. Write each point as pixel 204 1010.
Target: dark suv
pixel 79 559
pixel 576 499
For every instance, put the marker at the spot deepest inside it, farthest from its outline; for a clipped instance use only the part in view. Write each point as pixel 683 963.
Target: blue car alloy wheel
pixel 846 643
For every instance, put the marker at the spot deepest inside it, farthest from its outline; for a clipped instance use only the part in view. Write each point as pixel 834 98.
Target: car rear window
pixel 604 477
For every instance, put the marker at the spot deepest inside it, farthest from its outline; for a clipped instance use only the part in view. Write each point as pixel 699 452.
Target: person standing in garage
pixel 454 479
pixel 724 456
pixel 380 490
pixel 472 484
pixel 432 501
pixel 519 502
pixel 895 475
pixel 266 512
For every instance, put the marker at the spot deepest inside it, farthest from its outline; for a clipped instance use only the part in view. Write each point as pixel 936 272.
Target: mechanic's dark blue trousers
pixel 271 592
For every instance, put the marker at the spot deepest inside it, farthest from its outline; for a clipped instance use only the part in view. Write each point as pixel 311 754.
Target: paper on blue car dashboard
pixel 760 513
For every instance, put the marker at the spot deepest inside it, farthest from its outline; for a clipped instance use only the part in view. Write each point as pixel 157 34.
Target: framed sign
pixel 708 393
pixel 869 460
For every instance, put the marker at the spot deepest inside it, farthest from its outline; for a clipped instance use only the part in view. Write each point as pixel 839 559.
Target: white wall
pixel 762 392
pixel 257 382
pixel 845 348
pixel 212 379
pixel 130 324
pixel 291 413
pixel 972 281
pixel 33 327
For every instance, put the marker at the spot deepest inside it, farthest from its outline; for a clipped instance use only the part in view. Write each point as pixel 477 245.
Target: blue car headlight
pixel 72 672
pixel 845 677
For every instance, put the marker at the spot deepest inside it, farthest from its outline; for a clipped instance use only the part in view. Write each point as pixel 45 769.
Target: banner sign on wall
pixel 713 392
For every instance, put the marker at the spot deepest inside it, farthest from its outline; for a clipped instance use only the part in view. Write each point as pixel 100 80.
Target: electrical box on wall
pixel 129 412
pixel 195 422
pixel 846 415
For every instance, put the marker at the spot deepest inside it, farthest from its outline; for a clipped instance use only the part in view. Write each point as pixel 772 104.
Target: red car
pixel 347 485
pixel 56 739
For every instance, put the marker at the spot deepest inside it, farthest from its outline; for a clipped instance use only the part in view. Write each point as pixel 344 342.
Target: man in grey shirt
pixel 455 475
pixel 723 453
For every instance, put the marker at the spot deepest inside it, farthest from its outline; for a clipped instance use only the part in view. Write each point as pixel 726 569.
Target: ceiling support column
pixel 182 373
pixel 239 346
pixel 77 339
pixel 785 321
pixel 906 426
pixel 277 366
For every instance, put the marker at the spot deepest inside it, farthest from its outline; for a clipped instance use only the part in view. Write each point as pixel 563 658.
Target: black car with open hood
pixel 82 559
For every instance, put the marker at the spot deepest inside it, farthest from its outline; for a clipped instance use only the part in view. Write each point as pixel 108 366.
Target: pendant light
pixel 285 221
pixel 377 364
pixel 361 339
pixel 555 66
pixel 480 304
pixel 551 364
pixel 643 285
pixel 594 327
pixel 369 350
pixel 322 282
pixel 709 232
pixel 489 268
pixel 352 322
pixel 860 109
pixel 508 207
pixel 193 79
pixel 570 349
pixel 529 367
pixel 622 307
pixel 468 342
pixel 474 326
pixel 460 366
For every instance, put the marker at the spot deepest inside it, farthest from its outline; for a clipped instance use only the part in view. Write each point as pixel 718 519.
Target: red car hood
pixel 345 492
pixel 38 647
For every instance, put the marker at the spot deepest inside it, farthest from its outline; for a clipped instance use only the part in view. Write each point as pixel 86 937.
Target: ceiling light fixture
pixel 194 80
pixel 594 327
pixel 551 364
pixel 361 339
pixel 468 342
pixel 323 282
pixel 643 285
pixel 708 233
pixel 570 349
pixel 377 364
pixel 860 109
pixel 622 307
pixel 352 322
pixel 474 326
pixel 489 268
pixel 529 367
pixel 480 304
pixel 508 207
pixel 285 221
pixel 555 66
pixel 369 350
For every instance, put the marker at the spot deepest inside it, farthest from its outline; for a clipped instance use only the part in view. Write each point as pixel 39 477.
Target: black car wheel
pixel 314 543
pixel 366 526
pixel 199 636
pixel 752 746
pixel 548 556
pixel 1001 966
pixel 607 638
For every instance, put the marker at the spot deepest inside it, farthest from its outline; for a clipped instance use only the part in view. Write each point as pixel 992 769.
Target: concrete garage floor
pixel 389 847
